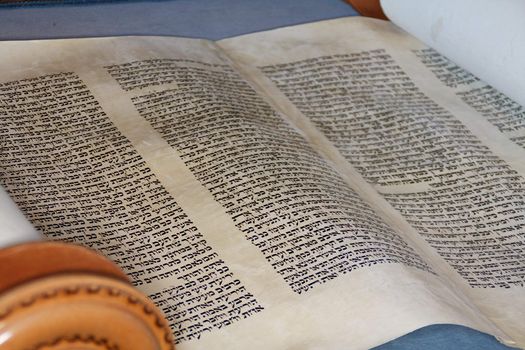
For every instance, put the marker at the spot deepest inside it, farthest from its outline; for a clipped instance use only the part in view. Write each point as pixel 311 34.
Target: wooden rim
pixel 368 8
pixel 25 262
pixel 81 312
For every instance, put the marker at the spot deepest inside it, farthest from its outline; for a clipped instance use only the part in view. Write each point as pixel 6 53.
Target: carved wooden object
pixel 56 296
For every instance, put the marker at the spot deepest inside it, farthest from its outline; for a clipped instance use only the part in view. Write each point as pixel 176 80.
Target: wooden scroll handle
pixel 56 296
pixel 368 8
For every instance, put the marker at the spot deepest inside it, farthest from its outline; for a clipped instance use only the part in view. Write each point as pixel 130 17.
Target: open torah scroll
pixel 326 186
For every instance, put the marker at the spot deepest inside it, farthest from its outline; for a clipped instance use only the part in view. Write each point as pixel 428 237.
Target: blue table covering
pixel 211 19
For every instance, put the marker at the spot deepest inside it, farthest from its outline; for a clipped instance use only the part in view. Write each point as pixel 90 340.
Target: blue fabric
pixel 212 19
pixel 444 337
pixel 48 3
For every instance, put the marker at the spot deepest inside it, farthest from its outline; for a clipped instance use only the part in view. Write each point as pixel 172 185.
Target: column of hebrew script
pixel 459 196
pixel 79 180
pixel 460 192
pixel 504 113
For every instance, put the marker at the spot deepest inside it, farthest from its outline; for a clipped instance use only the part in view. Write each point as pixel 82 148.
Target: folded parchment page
pixel 14 227
pixel 449 176
pixel 237 217
pixel 485 37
